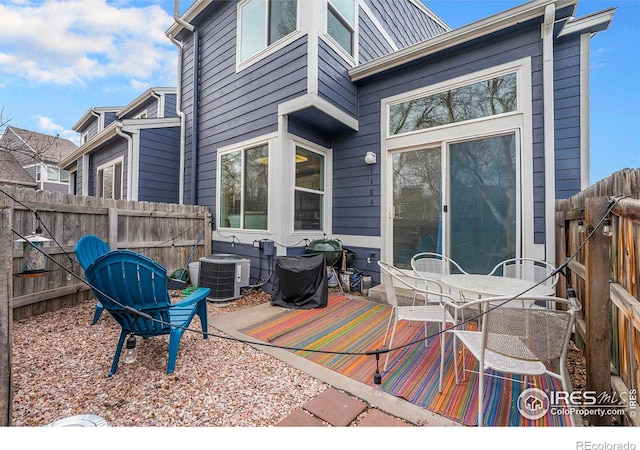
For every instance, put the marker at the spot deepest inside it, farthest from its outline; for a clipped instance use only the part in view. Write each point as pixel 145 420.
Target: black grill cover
pixel 300 282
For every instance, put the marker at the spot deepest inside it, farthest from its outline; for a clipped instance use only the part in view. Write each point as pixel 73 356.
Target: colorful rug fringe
pixel 357 326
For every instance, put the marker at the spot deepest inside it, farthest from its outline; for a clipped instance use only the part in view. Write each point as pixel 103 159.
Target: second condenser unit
pixel 224 274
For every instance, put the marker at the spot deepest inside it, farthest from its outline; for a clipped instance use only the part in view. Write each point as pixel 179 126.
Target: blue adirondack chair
pixel 133 288
pixel 88 248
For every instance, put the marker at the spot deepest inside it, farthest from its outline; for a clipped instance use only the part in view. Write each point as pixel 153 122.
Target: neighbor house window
pixel 474 101
pixel 341 20
pixel 309 190
pixel 56 174
pixel 110 180
pixel 244 187
pixel 264 22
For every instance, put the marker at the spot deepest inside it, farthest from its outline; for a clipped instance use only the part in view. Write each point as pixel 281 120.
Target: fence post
pixel 6 314
pixel 597 305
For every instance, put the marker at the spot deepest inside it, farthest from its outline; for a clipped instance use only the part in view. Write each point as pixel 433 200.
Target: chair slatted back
pixel 527 269
pixel 124 279
pixel 387 281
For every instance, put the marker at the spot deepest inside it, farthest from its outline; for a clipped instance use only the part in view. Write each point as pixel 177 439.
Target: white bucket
pixel 194 273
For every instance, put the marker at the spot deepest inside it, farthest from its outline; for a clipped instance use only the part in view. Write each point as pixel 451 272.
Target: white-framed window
pixel 38 173
pixel 109 180
pixel 142 115
pixel 341 24
pixel 263 23
pixel 84 137
pixel 51 173
pixel 244 185
pixel 309 190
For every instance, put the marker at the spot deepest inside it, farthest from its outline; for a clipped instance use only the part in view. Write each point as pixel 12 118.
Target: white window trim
pixel 326 201
pixel 269 49
pixel 251 143
pixel 520 122
pixel 351 59
pixel 113 162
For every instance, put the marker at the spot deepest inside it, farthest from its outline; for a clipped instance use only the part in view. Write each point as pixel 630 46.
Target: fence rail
pixel 165 232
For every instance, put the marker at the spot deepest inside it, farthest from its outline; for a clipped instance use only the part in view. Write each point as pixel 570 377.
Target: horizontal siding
pixel 225 114
pixel 370 42
pixel 566 66
pixel 309 132
pixel 404 21
pixel 350 172
pixel 334 84
pixel 159 172
pixel 107 153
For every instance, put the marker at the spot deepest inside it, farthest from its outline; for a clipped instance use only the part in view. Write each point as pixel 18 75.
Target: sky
pixel 59 58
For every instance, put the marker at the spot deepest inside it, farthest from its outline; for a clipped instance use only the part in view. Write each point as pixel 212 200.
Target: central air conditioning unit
pixel 224 274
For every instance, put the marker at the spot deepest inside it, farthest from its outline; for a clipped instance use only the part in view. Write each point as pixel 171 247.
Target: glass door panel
pixel 417 204
pixel 482 202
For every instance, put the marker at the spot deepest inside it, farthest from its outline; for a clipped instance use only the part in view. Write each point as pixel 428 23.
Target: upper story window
pixel 53 173
pixel 264 22
pixel 244 186
pixel 486 98
pixel 341 23
pixel 309 190
pixel 84 137
pixel 110 180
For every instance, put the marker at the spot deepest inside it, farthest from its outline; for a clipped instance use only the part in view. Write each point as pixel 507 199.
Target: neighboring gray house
pixel 372 122
pixel 40 155
pixel 12 173
pixel 129 152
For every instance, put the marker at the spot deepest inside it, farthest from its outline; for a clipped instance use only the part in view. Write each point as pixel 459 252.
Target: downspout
pixel 160 103
pixel 549 131
pixel 85 157
pixel 181 114
pixel 132 166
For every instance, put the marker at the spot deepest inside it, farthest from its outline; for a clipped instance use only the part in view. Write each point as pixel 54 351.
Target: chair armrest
pixel 196 296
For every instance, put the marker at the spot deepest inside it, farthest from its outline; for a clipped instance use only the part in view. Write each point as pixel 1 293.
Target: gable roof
pixel 46 148
pixel 11 172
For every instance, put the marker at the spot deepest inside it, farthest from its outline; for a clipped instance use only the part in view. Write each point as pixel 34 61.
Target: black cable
pixel 377 352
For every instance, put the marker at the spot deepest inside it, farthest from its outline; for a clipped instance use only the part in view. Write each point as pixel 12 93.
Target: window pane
pixel 309 170
pixel 483 202
pixel 117 181
pixel 486 98
pixel 52 174
pixel 339 32
pixel 231 191
pixel 253 28
pixel 347 9
pixel 256 188
pixel 282 19
pixel 38 173
pixel 308 211
pixel 107 182
pixel 64 175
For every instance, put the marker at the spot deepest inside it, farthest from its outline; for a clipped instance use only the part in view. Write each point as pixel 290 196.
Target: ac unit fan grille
pixel 220 278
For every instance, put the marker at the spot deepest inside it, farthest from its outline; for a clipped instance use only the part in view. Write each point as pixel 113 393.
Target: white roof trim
pixel 588 22
pixel 449 39
pixel 313 101
pixel 146 95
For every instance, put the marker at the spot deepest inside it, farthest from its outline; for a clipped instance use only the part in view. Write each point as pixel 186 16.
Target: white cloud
pixel 70 42
pixel 48 125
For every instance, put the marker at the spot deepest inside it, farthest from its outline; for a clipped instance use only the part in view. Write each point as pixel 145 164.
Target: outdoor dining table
pixel 492 286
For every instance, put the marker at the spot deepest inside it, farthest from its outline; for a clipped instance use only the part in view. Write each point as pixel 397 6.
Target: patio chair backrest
pixel 434 263
pixel 124 281
pixel 532 334
pixel 386 278
pixel 88 248
pixel 527 269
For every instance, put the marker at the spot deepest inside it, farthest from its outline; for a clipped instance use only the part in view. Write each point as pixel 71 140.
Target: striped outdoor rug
pixel 352 325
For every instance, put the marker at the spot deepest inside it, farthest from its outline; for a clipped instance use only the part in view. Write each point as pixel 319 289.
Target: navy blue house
pixel 130 152
pixel 373 122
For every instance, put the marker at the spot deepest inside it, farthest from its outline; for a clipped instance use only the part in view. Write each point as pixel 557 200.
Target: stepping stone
pixel 299 418
pixel 376 418
pixel 335 407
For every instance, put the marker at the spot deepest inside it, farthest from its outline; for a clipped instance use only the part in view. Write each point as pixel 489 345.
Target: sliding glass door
pixel 459 199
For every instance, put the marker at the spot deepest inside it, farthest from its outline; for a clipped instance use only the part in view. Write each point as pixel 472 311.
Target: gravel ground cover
pixel 61 361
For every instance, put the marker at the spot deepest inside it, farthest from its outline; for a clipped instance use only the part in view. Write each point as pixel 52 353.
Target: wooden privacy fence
pixel 165 232
pixel 605 275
